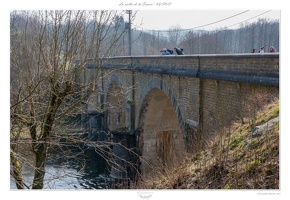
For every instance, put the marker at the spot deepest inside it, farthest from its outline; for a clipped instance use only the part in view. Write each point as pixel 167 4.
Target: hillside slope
pixel 244 156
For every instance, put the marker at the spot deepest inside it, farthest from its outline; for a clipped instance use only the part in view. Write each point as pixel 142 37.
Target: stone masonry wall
pixel 208 90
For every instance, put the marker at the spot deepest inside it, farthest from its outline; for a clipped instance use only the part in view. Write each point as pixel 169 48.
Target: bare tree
pixel 174 34
pixel 242 40
pixel 44 48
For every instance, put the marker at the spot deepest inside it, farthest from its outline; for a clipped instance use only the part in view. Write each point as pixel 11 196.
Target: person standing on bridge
pixel 271 49
pixel 262 50
pixel 166 51
pixel 179 51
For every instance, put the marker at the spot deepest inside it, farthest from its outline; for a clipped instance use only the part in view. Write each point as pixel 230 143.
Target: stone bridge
pixel 165 106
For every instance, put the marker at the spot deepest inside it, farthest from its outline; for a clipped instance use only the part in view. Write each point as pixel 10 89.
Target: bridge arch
pixel 161 138
pixel 114 79
pixel 115 102
pixel 159 84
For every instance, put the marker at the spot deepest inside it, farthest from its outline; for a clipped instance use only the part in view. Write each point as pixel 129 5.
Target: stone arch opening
pixel 92 102
pixel 115 108
pixel 160 140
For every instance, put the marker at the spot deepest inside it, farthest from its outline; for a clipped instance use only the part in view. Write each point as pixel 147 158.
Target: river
pixel 85 170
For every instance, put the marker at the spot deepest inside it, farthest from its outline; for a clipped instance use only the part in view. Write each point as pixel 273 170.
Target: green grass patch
pixel 237 141
pixel 252 166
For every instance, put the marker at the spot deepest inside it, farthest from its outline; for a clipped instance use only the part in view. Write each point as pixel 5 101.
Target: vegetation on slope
pixel 244 156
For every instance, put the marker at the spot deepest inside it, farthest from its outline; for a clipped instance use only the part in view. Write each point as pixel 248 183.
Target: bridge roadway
pixel 165 106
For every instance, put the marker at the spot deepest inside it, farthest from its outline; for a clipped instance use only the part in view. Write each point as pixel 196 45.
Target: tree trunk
pixel 40 157
pixel 16 171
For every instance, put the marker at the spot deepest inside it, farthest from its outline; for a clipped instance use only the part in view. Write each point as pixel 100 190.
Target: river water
pixel 84 170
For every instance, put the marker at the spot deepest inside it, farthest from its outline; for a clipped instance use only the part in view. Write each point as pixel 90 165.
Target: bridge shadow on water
pixel 78 168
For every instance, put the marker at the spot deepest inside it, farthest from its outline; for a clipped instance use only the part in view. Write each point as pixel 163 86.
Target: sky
pixel 186 13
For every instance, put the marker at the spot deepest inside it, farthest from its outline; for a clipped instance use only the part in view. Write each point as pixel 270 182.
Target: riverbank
pixel 244 156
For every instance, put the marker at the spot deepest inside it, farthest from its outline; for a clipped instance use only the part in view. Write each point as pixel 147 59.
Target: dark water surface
pixel 78 169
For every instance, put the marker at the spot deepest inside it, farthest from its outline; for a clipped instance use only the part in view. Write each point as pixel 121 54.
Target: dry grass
pixel 235 159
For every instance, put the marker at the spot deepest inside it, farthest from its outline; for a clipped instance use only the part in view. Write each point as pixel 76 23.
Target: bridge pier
pixel 93 122
pixel 123 167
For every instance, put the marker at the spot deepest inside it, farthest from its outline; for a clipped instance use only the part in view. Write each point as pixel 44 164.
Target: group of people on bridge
pixel 179 51
pixel 262 50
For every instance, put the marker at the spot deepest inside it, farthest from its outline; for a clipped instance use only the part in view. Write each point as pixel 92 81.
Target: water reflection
pixel 74 169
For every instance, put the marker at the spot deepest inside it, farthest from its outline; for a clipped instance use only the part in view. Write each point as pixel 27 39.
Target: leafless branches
pixel 45 91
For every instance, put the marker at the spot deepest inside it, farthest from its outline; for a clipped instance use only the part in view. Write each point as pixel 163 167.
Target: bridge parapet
pixel 247 68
